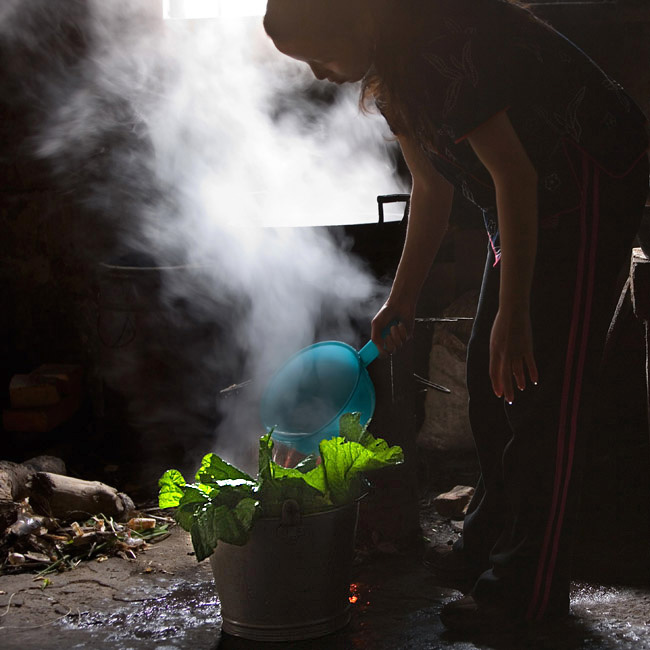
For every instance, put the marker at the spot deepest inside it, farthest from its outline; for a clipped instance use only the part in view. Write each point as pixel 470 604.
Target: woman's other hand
pixel 499 148
pixel 398 333
pixel 511 354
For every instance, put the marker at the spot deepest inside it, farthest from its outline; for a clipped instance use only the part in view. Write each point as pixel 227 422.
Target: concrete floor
pixel 165 600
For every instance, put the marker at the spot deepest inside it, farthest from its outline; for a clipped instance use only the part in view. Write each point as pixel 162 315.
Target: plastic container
pixel 306 397
pixel 291 580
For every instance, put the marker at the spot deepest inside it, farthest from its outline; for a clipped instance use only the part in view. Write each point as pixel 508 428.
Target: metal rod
pixel 430 384
pixel 450 319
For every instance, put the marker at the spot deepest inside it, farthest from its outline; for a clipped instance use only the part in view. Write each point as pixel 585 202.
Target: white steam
pixel 200 141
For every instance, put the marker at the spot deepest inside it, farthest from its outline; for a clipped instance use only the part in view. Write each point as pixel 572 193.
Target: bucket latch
pixel 290 520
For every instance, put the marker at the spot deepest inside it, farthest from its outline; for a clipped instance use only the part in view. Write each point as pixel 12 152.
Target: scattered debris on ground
pixel 47 545
pixel 51 522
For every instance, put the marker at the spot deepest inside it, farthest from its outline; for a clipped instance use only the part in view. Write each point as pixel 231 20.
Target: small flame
pixel 354 593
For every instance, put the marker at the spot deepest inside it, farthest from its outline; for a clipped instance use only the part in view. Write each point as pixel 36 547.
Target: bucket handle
pixel 369 352
pixel 290 514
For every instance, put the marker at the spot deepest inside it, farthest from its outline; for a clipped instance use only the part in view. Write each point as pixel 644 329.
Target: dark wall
pixel 51 233
pixel 52 237
pixel 39 274
pixel 615 34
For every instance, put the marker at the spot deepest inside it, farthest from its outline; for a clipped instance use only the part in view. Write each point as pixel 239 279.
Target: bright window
pixel 212 8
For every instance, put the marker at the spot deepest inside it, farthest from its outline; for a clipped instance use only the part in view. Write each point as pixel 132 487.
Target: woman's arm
pixel 511 345
pixel 431 198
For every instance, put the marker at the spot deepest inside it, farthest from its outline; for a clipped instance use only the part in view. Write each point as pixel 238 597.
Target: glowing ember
pixel 354 593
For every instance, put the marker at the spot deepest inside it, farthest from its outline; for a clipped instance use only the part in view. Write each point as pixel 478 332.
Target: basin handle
pixel 369 352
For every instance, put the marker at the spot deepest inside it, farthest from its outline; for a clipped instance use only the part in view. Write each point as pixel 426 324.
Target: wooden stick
pixel 15 478
pixel 64 497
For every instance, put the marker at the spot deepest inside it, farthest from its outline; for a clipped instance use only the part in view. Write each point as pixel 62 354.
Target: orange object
pixel 41 419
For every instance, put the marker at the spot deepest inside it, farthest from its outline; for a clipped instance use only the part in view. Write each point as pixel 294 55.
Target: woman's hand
pixel 499 148
pixel 431 199
pixel 511 353
pixel 398 334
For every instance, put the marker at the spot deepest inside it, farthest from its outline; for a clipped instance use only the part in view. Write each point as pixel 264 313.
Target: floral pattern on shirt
pixel 458 70
pixel 487 56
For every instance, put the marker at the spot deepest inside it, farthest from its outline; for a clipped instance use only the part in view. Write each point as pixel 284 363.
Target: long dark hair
pixel 396 83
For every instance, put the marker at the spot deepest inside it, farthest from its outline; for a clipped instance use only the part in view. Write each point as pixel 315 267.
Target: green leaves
pixel 221 505
pixel 345 462
pixel 214 523
pixel 348 457
pixel 194 498
pixel 224 502
pixel 351 429
pixel 342 462
pixel 214 469
pixel 277 484
pixel 171 485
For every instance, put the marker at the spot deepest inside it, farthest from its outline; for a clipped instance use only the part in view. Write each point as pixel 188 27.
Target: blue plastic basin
pixel 306 397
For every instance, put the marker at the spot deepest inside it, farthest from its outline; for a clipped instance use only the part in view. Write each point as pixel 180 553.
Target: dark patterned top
pixel 486 56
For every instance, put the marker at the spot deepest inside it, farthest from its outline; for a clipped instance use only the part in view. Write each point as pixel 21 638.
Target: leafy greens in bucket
pixel 223 502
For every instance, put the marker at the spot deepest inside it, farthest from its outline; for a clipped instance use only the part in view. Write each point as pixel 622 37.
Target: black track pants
pixel 518 530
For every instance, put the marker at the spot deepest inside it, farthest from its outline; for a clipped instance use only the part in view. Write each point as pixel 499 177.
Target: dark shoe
pixel 448 567
pixel 466 615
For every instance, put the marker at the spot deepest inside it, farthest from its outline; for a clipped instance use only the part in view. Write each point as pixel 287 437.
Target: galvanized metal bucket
pixel 291 581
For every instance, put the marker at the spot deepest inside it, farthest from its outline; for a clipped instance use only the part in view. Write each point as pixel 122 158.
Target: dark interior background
pixel 53 288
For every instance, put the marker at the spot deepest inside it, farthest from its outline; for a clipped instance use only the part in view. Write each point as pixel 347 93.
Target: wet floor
pixel 166 601
pixel 398 607
pixel 187 616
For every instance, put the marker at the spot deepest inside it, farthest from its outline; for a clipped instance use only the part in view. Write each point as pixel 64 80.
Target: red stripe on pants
pixel 572 379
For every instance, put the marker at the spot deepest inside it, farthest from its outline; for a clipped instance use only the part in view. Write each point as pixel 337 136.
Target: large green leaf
pixel 204 530
pixel 227 514
pixel 278 484
pixel 351 429
pixel 171 485
pixel 315 477
pixel 246 512
pixel 382 453
pixel 231 491
pixel 215 469
pixel 220 523
pixel 346 461
pixel 343 461
pixel 273 495
pixel 194 498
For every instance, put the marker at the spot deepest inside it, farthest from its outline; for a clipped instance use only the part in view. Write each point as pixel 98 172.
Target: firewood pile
pixel 51 522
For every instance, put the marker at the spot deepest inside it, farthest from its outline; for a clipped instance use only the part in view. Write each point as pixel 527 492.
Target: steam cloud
pixel 195 143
